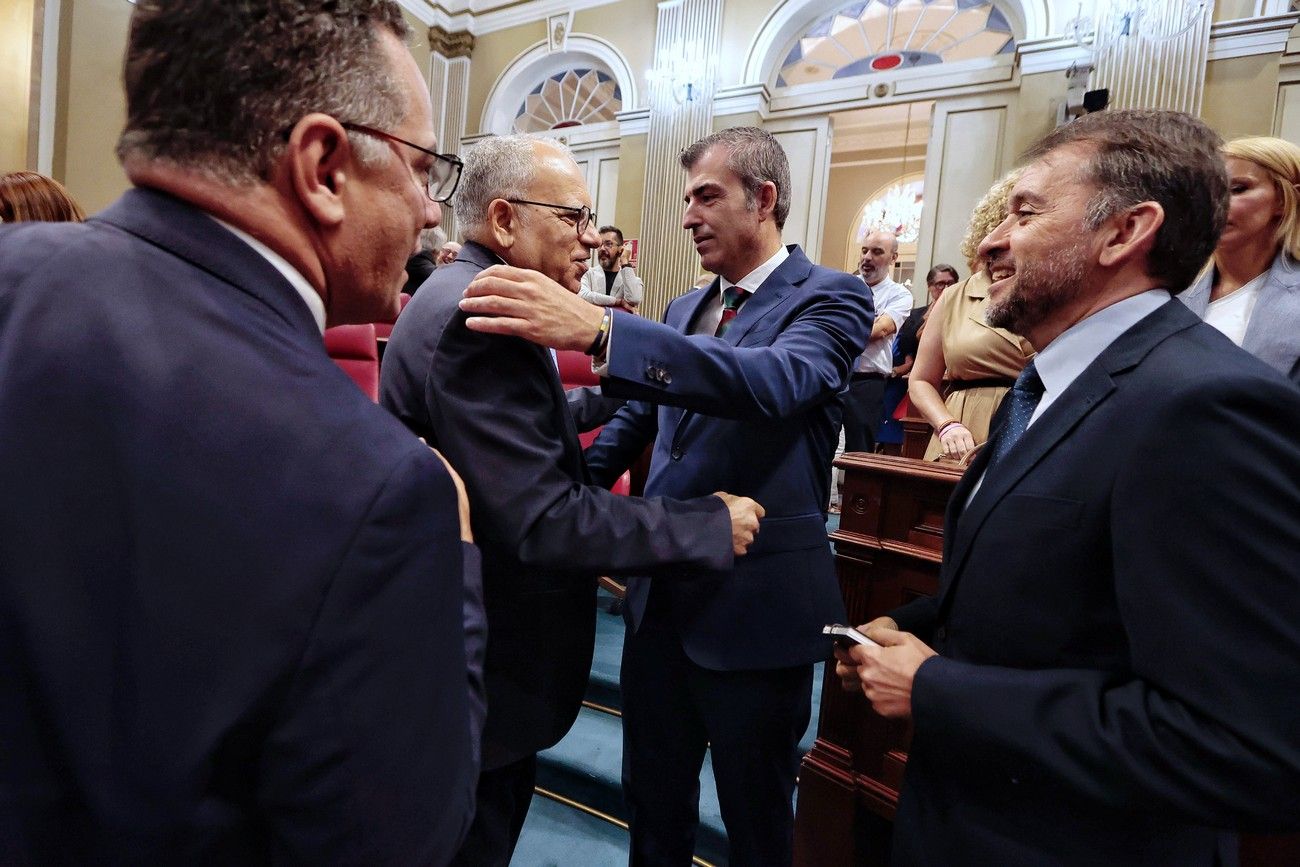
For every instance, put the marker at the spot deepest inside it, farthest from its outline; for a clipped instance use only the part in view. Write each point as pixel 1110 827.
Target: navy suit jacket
pixel 495 407
pixel 755 413
pixel 231 588
pixel 1118 622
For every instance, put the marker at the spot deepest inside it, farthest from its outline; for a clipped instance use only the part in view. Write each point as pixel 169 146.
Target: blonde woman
pixel 1251 292
pixel 963 365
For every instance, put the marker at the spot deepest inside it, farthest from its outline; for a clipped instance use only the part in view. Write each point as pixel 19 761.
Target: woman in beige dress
pixel 964 366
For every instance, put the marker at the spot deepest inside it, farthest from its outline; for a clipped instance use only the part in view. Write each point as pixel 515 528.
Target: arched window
pixel 569 98
pixel 880 35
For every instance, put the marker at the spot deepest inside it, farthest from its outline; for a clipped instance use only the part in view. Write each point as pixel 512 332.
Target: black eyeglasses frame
pixel 457 166
pixel 580 222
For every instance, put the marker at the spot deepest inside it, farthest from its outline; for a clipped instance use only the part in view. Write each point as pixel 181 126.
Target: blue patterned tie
pixel 1023 400
pixel 732 298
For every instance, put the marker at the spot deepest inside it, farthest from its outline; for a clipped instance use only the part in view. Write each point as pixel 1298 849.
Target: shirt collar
pixel 309 295
pixel 751 281
pixel 1062 360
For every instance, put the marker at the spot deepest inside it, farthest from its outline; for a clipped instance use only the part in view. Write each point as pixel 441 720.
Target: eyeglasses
pixel 443 174
pixel 583 218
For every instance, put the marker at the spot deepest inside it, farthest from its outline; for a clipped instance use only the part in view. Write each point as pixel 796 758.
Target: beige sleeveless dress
pixel 973 350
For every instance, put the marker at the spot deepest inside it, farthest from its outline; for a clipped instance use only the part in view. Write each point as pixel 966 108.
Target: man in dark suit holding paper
pixel 739 389
pixel 1119 610
pixel 233 590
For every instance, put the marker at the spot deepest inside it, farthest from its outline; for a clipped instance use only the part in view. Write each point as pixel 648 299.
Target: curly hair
pixel 988 214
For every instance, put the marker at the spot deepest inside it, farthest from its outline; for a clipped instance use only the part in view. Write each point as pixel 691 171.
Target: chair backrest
pixel 353 349
pixel 575 371
pixel 575 368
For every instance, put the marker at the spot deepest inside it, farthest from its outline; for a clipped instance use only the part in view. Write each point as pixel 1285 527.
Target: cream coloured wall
pixel 741 20
pixel 1230 10
pixel 92 108
pixel 631 184
pixel 1241 95
pixel 17 30
pixel 492 54
pixel 629 26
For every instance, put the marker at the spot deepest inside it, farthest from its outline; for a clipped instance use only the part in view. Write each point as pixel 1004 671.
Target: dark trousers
pixel 751 721
pixel 500 807
pixel 863 409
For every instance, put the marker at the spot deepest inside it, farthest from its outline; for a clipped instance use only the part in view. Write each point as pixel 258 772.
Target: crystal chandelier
pixel 1113 22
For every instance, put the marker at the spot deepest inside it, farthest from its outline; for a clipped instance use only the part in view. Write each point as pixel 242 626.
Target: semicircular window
pixel 570 98
pixel 881 35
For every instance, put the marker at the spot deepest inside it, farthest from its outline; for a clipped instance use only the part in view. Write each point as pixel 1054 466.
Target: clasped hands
pixel 884 674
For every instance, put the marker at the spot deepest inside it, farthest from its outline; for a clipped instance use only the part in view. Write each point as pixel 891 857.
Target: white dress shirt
pixel 1061 361
pixel 894 300
pixel 711 315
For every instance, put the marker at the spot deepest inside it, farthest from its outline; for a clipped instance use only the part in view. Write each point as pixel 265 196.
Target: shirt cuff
pixel 600 365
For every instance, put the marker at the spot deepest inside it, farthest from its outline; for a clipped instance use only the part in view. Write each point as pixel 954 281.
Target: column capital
pixel 451 45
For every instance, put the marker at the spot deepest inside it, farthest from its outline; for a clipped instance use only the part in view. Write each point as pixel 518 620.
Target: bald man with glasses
pixel 496 408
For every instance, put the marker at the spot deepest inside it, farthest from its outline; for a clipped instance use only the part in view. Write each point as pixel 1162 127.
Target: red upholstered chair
pixel 575 371
pixel 353 348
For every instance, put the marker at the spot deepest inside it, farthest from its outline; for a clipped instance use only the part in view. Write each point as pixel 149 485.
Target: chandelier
pixel 897 210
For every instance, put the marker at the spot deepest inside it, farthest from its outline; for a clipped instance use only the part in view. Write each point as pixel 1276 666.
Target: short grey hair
pixel 754 156
pixel 501 167
pixel 214 86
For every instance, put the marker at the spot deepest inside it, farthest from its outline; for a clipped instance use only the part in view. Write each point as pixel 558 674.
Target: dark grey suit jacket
pixel 495 407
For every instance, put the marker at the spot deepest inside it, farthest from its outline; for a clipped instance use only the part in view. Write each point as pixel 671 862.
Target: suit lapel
pixel 1093 386
pixel 771 296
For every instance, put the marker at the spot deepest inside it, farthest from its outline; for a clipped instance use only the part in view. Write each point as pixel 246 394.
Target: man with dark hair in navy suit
pixel 233 591
pixel 739 390
pixel 1108 673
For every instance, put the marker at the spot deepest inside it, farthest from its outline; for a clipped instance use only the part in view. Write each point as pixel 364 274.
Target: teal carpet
pixel 585 769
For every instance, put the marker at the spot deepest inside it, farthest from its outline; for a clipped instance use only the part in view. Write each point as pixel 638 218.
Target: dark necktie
pixel 732 298
pixel 1022 401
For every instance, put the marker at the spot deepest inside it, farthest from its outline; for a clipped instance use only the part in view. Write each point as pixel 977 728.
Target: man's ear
pixel 318 164
pixel 502 223
pixel 767 199
pixel 1131 234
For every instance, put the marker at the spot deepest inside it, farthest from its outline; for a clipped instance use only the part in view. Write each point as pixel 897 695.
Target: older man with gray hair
pixel 495 406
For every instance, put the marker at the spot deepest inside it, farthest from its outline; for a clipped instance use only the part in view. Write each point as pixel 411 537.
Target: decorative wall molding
pixel 485 17
pixel 537 61
pixel 984 75
pixel 634 122
pixel 1029 20
pixel 451 45
pixel 742 99
pixel 1248 36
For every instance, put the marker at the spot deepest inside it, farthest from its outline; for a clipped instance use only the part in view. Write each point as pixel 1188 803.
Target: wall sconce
pixel 681 78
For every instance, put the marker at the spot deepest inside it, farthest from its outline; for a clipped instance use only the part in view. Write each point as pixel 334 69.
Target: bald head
pixel 879 252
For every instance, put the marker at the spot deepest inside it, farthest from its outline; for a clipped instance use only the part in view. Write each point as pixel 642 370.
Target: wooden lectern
pixel 887 552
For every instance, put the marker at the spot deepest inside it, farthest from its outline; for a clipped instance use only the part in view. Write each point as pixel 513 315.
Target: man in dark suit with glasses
pixel 495 406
